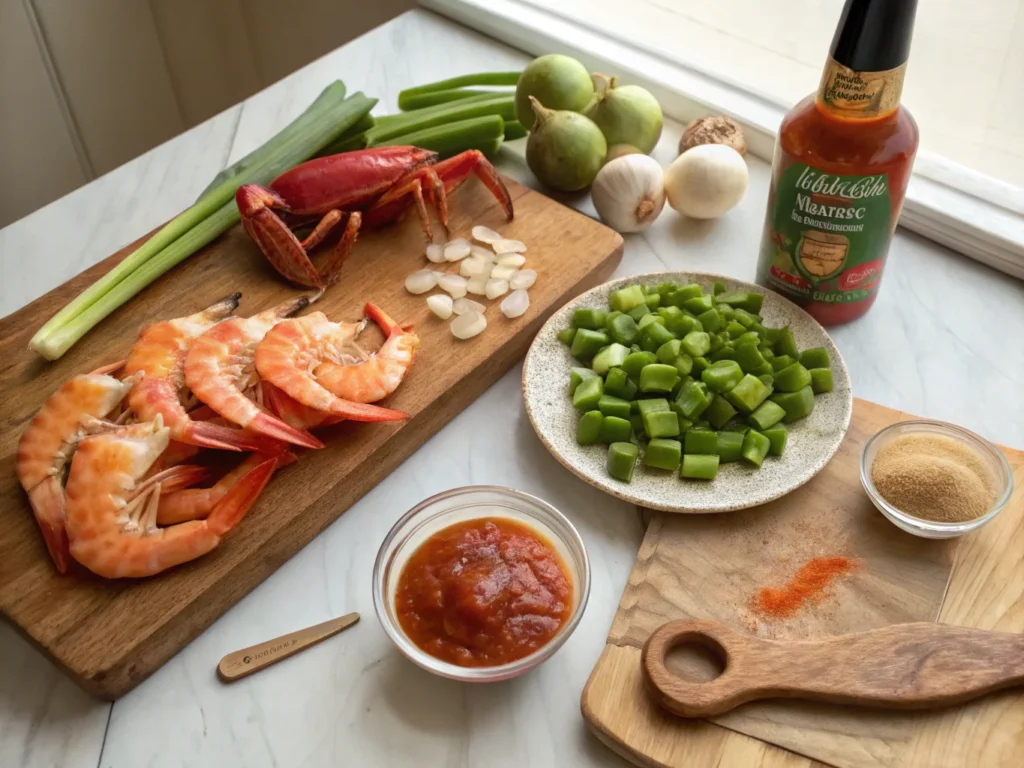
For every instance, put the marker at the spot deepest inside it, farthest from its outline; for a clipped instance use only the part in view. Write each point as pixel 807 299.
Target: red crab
pixel 368 187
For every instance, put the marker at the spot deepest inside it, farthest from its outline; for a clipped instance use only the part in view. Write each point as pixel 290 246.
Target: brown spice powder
pixel 934 478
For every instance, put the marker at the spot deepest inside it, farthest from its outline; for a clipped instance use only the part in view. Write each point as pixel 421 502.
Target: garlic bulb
pixel 629 192
pixel 706 181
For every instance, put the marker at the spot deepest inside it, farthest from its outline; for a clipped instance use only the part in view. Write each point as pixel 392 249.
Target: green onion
pixel 514 130
pixel 419 101
pixel 93 304
pixel 481 78
pixel 450 139
pixel 353 138
pixel 502 105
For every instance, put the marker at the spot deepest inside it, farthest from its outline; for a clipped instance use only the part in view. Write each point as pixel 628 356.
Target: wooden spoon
pixel 256 657
pixel 904 666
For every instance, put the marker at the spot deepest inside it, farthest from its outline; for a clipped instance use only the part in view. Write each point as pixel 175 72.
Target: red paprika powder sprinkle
pixel 809 583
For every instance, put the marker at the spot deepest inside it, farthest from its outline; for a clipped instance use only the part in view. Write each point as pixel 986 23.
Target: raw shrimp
pixel 293 348
pixel 219 369
pixel 72 412
pixel 379 375
pixel 111 516
pixel 196 503
pixel 160 355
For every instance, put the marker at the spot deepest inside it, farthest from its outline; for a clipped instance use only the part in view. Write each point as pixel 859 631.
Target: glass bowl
pixel 929 529
pixel 459 505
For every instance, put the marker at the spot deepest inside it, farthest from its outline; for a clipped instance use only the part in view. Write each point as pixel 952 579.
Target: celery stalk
pixel 450 139
pixel 480 78
pixel 293 150
pixel 502 105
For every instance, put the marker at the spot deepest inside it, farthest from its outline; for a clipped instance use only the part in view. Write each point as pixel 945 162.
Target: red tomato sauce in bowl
pixel 483 592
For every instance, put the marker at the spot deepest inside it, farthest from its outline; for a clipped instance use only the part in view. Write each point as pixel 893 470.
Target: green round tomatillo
pixel 557 82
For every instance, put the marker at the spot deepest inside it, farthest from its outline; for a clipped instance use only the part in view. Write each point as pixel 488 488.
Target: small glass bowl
pixel 459 505
pixel 929 529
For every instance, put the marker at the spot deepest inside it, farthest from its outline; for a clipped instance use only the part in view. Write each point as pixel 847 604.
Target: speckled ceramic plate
pixel 812 441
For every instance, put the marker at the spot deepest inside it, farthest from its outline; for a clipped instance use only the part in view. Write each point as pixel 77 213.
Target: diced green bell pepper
pixel 730 446
pixel 693 399
pixel 592 319
pixel 697 343
pixel 576 375
pixel 623 329
pixel 566 336
pixel 661 424
pixel 615 383
pixel 821 380
pixel 711 320
pixel 586 343
pixel 635 362
pixel 588 429
pixel 719 412
pixel 649 318
pixel 766 415
pixel 637 421
pixel 663 453
pixel 797 405
pixel 669 351
pixel 650 405
pixel 610 357
pixel 654 335
pixel 777 436
pixel 749 357
pixel 792 378
pixel 698 467
pixel 588 394
pixel 755 447
pixel 652 300
pixel 786 344
pixel 615 429
pixel 718 287
pixel 627 298
pixel 622 458
pixel 781 361
pixel 815 357
pixel 700 441
pixel 700 364
pixel 609 405
pixel 687 292
pixel 683 363
pixel 734 329
pixel 748 394
pixel 722 376
pixel 638 312
pixel 699 304
pixel 658 377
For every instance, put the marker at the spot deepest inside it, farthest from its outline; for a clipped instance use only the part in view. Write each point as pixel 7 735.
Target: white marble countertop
pixel 943 341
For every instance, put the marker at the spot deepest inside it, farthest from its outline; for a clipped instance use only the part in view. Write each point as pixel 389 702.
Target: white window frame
pixel 969 212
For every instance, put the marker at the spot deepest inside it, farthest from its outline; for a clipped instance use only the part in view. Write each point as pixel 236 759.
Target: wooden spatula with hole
pixel 904 666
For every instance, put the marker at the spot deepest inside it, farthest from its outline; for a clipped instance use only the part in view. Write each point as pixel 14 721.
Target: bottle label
pixel 826 235
pixel 858 95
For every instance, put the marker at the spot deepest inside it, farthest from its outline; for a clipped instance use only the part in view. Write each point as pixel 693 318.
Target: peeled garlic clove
pixel 480 252
pixel 485 234
pixel 512 260
pixel 515 304
pixel 495 288
pixel 477 285
pixel 508 246
pixel 455 285
pixel 468 325
pixel 421 281
pixel 464 305
pixel 456 250
pixel 473 266
pixel 440 305
pixel 523 279
pixel 503 273
pixel 435 253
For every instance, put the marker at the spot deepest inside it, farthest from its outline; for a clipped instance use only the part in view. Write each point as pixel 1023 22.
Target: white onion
pixel 495 288
pixel 512 260
pixel 435 252
pixel 477 285
pixel 515 304
pixel 503 273
pixel 456 250
pixel 421 281
pixel 468 325
pixel 508 246
pixel 474 266
pixel 523 279
pixel 706 181
pixel 464 305
pixel 485 234
pixel 454 285
pixel 629 192
pixel 440 305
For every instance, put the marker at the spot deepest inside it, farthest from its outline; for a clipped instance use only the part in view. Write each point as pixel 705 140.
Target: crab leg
pixel 278 243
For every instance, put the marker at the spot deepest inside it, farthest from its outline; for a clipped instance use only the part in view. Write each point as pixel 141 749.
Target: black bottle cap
pixel 874 35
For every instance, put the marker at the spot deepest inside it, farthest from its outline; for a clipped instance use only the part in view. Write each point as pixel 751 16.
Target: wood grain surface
pixel 709 568
pixel 921 665
pixel 111 635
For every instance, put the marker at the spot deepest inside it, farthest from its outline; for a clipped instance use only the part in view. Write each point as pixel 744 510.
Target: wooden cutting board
pixel 109 636
pixel 709 567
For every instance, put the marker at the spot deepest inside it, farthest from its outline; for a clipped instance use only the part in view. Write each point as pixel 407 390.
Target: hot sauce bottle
pixel 841 167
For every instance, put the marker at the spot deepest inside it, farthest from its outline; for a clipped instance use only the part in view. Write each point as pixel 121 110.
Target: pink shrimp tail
pixel 48 504
pixel 383 319
pixel 229 511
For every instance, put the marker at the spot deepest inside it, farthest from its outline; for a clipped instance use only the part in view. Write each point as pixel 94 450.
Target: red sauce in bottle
pixel 483 592
pixel 842 163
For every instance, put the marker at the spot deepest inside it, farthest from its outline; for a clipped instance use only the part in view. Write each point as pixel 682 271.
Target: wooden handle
pixel 248 660
pixel 905 666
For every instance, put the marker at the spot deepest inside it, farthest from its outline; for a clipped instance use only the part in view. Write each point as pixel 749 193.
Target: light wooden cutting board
pixel 111 635
pixel 710 567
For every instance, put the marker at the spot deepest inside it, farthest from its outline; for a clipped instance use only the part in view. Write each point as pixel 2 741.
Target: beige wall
pixel 86 85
